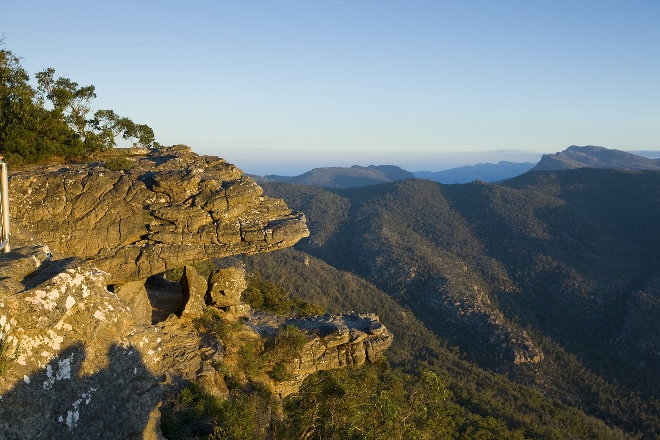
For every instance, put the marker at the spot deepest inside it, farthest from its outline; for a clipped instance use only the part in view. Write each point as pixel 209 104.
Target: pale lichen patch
pixel 29 345
pixel 55 340
pixel 70 301
pixel 73 414
pixel 63 372
pixel 48 300
pixel 63 326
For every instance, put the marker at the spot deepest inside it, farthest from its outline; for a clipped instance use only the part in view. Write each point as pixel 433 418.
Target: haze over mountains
pixel 571 158
pixel 345 177
pixel 487 172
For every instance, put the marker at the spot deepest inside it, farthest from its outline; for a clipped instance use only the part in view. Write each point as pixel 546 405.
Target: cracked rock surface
pixel 171 208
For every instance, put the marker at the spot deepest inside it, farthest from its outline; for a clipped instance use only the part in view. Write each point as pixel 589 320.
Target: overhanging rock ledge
pixel 171 208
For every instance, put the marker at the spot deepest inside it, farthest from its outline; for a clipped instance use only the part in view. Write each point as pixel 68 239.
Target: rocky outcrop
pixel 333 341
pixel 171 208
pixel 77 362
pixel 81 355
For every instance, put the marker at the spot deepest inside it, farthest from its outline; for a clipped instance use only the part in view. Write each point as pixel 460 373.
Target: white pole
pixel 4 206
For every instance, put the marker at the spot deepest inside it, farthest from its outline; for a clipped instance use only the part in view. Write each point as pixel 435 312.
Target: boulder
pixel 78 361
pixel 68 360
pixel 134 294
pixel 226 287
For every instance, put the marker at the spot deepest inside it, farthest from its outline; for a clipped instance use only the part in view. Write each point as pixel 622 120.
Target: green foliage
pixel 194 413
pixel 119 163
pixel 271 297
pixel 250 358
pixel 52 120
pixel 281 372
pixel 212 323
pixel 282 349
pixel 371 402
pixel 108 126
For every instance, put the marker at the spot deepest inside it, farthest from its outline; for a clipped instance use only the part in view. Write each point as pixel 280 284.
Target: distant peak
pixel 592 156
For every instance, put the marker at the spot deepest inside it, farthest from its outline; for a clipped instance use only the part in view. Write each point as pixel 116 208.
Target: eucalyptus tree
pixel 67 98
pixel 54 118
pixel 28 131
pixel 108 127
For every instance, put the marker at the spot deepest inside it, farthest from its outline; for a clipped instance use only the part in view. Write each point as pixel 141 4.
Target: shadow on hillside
pixel 56 402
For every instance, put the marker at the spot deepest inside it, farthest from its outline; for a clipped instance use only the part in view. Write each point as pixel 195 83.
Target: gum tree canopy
pixel 53 119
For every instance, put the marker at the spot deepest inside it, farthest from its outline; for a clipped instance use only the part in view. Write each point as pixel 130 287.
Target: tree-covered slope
pixel 551 279
pixel 430 390
pixel 344 177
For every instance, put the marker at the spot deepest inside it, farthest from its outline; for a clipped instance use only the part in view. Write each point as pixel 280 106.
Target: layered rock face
pixel 80 354
pixel 333 341
pixel 172 208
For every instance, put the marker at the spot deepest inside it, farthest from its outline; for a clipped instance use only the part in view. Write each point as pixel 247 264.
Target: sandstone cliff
pixel 83 353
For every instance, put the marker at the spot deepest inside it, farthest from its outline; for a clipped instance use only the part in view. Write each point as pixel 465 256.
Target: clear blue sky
pixel 285 86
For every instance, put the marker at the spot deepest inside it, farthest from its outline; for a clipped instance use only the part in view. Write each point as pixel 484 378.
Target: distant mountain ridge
pixel 591 156
pixel 573 157
pixel 344 177
pixel 487 172
pixel 358 176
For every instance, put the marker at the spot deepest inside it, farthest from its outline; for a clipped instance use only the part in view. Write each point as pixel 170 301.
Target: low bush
pixel 119 163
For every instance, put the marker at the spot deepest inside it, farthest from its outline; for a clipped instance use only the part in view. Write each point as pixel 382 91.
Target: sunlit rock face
pixel 171 208
pixel 81 355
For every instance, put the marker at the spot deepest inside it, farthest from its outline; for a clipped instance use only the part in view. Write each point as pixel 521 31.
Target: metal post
pixel 4 207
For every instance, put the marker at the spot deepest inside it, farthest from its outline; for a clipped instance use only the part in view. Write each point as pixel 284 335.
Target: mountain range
pixel 595 157
pixel 487 172
pixel 549 281
pixel 344 177
pixel 573 157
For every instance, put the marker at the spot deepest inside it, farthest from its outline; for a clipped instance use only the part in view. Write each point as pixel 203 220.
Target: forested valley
pixel 534 302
